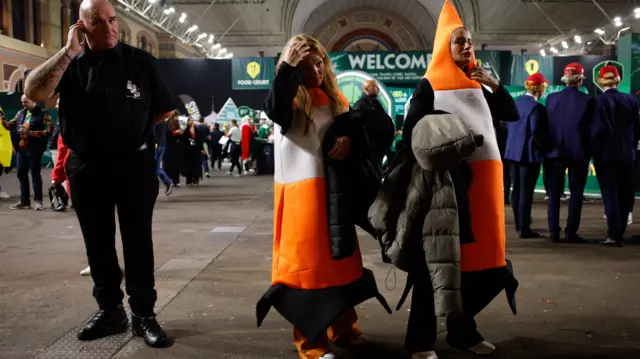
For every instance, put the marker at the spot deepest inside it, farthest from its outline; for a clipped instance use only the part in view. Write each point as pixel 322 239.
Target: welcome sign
pixel 388 66
pixel 252 73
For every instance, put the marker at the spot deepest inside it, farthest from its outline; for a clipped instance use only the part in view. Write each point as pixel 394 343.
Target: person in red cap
pixel 526 149
pixel 570 113
pixel 615 132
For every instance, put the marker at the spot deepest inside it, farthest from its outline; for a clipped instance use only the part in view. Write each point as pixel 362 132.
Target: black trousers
pixel 216 155
pixel 506 179
pixel 578 172
pixel 236 152
pixel 616 182
pixel 130 185
pixel 524 176
pixel 174 175
pixel 422 330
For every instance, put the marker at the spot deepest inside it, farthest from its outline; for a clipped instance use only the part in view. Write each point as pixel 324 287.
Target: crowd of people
pixel 438 210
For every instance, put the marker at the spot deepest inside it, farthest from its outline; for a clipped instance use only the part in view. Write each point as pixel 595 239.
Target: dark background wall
pixel 588 61
pixel 204 79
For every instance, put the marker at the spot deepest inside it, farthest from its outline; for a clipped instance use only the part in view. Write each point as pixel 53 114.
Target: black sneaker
pixel 149 329
pixel 104 324
pixel 21 205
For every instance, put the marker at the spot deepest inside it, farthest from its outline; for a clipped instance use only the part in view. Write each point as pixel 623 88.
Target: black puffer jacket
pixel 352 184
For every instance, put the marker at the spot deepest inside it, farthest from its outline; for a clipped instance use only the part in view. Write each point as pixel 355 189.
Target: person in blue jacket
pixel 615 132
pixel 526 149
pixel 570 114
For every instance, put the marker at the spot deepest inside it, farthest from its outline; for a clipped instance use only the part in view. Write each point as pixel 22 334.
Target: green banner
pixel 401 97
pixel 388 66
pixel 252 73
pixel 524 65
pixel 490 61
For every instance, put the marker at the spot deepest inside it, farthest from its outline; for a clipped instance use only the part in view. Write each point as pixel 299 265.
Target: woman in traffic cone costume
pixel 454 84
pixel 311 288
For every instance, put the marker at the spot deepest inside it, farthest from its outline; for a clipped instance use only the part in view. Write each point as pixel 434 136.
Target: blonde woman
pixel 317 273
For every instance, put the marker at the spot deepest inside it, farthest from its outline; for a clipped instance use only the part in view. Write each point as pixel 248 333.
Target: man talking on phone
pixel 111 96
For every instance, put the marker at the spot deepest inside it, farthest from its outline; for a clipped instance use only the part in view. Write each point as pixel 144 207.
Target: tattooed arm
pixel 41 83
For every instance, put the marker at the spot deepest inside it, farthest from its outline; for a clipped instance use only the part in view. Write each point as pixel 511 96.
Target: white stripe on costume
pixel 471 105
pixel 298 156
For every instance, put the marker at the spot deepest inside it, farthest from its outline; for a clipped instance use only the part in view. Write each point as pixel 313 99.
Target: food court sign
pixel 388 67
pixel 252 73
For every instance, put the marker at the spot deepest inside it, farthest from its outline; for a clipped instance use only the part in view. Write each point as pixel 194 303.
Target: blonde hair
pixel 302 102
pixel 534 87
pixel 572 79
pixel 609 82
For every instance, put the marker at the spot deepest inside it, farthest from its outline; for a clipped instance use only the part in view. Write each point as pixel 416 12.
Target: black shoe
pixel 529 235
pixel 104 324
pixel 149 329
pixel 574 238
pixel 168 190
pixel 555 237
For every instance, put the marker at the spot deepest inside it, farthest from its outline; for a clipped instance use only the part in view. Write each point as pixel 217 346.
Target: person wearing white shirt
pixel 235 149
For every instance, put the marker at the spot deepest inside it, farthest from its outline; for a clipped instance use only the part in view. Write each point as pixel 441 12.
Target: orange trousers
pixel 341 332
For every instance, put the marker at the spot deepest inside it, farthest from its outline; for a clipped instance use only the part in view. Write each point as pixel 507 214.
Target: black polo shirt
pixel 109 100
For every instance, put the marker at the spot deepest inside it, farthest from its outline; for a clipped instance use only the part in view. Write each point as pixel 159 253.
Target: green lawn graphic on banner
pixel 524 65
pixel 592 186
pixel 388 66
pixel 252 73
pixel 400 97
pixel 350 83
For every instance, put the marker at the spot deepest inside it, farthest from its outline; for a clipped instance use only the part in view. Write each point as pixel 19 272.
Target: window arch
pixel 143 43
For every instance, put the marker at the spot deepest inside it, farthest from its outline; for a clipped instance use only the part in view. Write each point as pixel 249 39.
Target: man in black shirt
pixel 111 96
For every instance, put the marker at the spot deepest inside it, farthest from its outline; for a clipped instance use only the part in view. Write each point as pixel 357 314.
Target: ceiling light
pixel 637 13
pixel 577 39
pixel 183 17
pixel 599 31
pixel 230 55
pixel 170 10
pixel 211 39
pixel 216 46
pixel 554 50
pixel 199 45
pixel 565 45
pixel 152 1
pixel 543 53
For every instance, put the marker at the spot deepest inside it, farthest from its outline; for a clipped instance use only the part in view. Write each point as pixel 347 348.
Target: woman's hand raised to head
pixel 296 53
pixel 482 76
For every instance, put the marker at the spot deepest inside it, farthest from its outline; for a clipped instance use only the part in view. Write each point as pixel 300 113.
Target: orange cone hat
pixel 443 73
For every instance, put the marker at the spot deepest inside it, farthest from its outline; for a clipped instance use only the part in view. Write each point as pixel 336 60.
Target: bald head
pixel 370 87
pixel 27 103
pixel 99 18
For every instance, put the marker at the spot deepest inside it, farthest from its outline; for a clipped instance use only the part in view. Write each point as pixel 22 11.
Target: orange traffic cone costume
pixel 312 289
pixel 446 87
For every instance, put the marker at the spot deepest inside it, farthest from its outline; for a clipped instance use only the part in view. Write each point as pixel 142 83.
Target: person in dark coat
pixel 615 132
pixel 172 160
pixel 570 113
pixel 376 119
pixel 192 155
pixel 204 136
pixel 526 150
pixel 215 149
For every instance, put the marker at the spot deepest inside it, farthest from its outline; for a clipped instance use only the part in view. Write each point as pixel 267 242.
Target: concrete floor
pixel 574 301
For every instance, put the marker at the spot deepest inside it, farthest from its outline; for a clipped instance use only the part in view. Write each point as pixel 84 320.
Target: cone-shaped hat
pixel 443 73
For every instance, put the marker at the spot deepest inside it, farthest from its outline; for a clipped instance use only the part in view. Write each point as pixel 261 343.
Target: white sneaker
pixel 484 348
pixel 86 272
pixel 425 355
pixel 4 195
pixel 329 355
pixel 630 219
pixel 38 206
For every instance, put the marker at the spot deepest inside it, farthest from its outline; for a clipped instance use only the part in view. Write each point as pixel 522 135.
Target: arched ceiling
pixel 509 24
